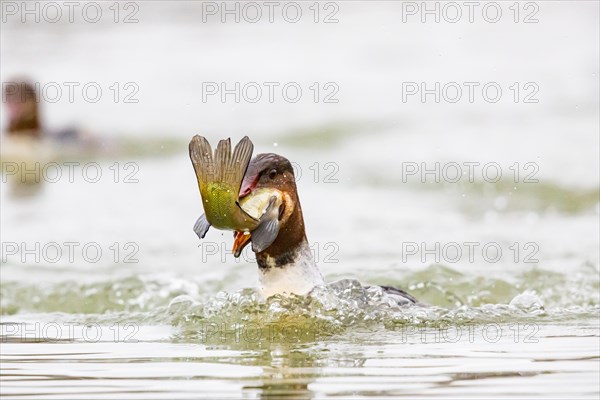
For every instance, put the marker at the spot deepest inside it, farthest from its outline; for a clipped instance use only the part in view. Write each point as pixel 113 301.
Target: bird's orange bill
pixel 241 239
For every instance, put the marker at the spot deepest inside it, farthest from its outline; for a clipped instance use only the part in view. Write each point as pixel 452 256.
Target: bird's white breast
pixel 298 277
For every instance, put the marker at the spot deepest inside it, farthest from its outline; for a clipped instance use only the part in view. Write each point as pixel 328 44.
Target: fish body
pixel 223 211
pixel 219 179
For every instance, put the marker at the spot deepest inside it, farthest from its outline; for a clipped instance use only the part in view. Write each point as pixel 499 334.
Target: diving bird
pixel 286 265
pixel 22 103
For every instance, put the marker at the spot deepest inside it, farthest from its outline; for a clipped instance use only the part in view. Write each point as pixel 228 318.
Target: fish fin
pixel 265 235
pixel 202 160
pixel 268 229
pixel 201 226
pixel 231 167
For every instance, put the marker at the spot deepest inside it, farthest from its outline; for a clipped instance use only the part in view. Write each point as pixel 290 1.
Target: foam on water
pixel 538 296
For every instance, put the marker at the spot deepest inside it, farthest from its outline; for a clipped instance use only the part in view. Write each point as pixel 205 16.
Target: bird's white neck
pixel 293 273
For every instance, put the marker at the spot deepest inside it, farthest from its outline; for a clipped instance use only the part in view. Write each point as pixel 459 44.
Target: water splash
pixel 452 298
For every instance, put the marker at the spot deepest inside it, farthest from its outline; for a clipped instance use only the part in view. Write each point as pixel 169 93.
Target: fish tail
pixel 202 160
pixel 230 168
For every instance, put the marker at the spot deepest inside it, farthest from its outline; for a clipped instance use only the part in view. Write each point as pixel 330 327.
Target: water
pixel 159 314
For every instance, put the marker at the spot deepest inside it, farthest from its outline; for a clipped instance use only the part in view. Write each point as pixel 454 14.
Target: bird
pixel 23 116
pixel 285 266
pixel 25 124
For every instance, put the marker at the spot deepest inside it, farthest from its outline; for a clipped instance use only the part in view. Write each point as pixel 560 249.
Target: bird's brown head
pixel 22 103
pixel 269 170
pixel 272 171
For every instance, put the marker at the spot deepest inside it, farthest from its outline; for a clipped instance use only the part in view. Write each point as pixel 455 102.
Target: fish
pixel 263 204
pixel 219 177
pixel 219 180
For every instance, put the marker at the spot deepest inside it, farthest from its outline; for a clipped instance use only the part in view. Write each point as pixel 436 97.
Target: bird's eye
pixel 272 174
